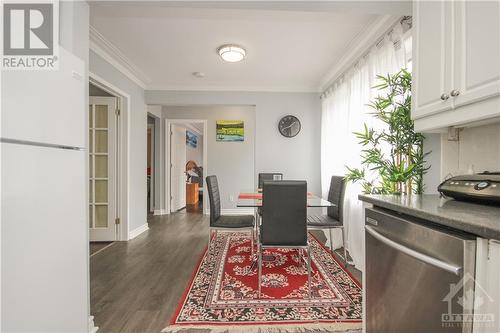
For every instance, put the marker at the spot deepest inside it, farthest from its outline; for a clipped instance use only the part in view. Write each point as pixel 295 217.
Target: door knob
pixel 444 97
pixel 455 93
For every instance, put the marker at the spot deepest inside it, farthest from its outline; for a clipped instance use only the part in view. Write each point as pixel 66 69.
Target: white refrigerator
pixel 44 233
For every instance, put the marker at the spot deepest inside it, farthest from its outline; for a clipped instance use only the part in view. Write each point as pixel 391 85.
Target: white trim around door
pixel 123 153
pixel 169 122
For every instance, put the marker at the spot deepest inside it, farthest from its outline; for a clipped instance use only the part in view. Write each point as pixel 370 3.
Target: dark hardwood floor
pixel 136 285
pixel 95 247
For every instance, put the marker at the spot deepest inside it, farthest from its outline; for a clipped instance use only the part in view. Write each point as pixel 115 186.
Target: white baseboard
pixel 92 327
pixel 159 212
pixel 137 231
pixel 237 211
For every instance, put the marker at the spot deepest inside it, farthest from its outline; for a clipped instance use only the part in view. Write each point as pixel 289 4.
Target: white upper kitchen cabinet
pixel 432 60
pixel 456 63
pixel 477 51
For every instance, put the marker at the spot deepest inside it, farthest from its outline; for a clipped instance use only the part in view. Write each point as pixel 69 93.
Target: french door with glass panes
pixel 102 168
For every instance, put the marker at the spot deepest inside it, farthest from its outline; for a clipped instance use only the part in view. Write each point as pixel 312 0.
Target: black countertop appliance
pixel 480 188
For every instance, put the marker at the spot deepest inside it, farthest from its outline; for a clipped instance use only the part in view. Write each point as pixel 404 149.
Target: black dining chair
pixel 226 223
pixel 334 219
pixel 269 176
pixel 284 220
pixel 265 177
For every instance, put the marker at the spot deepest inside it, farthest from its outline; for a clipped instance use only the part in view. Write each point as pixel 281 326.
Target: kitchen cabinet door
pixel 433 57
pixel 487 289
pixel 477 51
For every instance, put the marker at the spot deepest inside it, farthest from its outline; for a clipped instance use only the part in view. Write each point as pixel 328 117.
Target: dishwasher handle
pixel 457 270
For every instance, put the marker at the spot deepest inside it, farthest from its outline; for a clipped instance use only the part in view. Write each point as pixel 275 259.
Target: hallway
pixel 136 285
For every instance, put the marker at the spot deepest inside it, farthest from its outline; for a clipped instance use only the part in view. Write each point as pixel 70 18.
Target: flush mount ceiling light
pixel 231 53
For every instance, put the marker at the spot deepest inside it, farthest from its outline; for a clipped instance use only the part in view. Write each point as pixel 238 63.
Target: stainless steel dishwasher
pixel 412 273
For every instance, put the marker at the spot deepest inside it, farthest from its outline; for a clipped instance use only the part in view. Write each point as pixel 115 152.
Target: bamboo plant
pixel 400 171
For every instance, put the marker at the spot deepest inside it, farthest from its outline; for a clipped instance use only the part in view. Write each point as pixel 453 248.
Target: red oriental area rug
pixel 223 293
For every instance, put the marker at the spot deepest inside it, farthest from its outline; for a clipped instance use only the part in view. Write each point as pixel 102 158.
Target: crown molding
pixel 359 45
pixel 236 88
pixel 109 52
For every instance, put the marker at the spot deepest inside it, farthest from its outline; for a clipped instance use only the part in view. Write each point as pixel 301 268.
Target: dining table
pixel 253 198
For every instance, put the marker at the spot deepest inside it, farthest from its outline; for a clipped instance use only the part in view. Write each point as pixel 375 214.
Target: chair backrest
pixel 214 196
pixel 336 196
pixel 269 176
pixel 284 213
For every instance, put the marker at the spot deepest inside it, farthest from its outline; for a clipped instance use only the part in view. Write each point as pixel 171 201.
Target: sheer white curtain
pixel 344 111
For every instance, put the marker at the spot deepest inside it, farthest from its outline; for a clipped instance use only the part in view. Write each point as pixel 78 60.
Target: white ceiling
pixel 286 50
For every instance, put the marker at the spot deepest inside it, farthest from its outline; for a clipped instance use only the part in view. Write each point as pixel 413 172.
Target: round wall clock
pixel 289 126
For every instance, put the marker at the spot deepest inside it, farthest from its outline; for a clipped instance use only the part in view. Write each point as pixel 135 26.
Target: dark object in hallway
pixel 196 208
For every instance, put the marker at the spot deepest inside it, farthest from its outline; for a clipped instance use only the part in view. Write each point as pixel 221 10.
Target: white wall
pixel 195 154
pixel 137 128
pixel 432 178
pixel 297 158
pixel 478 146
pixel 232 162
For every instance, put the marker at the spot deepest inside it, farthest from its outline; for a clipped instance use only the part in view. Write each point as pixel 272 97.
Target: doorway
pixel 103 144
pixel 151 164
pixel 107 163
pixel 187 157
pixel 99 87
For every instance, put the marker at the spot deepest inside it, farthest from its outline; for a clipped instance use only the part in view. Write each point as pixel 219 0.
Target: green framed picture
pixel 230 130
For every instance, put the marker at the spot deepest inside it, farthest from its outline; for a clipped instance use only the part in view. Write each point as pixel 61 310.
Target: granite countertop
pixel 481 220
